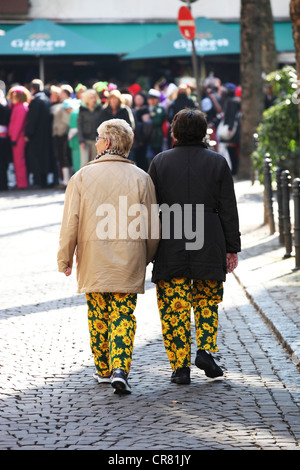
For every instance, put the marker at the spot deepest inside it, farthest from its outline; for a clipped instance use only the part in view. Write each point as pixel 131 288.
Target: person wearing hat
pixel 66 91
pixel 134 89
pixel 79 89
pixel 115 108
pixel 102 90
pixel 157 116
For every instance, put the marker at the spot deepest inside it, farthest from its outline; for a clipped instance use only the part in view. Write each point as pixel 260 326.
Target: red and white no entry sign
pixel 186 23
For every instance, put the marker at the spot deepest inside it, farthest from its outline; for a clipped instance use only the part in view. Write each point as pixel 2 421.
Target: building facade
pixel 123 26
pixel 126 10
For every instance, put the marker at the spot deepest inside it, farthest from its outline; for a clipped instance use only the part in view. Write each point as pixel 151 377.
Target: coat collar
pixel 111 158
pixel 198 143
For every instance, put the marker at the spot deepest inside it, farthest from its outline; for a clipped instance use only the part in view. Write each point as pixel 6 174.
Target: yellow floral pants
pixel 112 327
pixel 175 299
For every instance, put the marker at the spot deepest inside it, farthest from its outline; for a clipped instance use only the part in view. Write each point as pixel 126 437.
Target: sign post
pixel 187 28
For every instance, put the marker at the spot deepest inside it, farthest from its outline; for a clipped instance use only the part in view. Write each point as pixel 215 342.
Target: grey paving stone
pixel 49 399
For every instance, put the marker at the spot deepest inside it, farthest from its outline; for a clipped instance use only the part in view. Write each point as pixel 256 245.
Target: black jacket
pixel 232 112
pixel 194 175
pixel 122 113
pixel 181 102
pixel 88 122
pixel 39 132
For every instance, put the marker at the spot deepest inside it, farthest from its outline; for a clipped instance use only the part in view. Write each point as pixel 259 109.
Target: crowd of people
pixel 48 132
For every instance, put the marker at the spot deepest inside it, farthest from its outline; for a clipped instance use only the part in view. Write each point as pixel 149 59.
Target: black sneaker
pixel 181 376
pixel 205 361
pixel 119 382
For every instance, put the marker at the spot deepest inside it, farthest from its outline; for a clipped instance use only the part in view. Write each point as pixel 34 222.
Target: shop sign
pixel 38 43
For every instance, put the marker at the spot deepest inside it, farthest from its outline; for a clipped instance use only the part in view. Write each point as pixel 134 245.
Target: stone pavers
pixel 269 278
pixel 49 399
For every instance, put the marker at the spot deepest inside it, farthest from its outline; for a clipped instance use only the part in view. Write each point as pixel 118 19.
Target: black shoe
pixel 205 361
pixel 181 376
pixel 119 382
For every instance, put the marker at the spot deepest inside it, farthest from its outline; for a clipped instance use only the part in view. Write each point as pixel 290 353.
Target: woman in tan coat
pixel 111 219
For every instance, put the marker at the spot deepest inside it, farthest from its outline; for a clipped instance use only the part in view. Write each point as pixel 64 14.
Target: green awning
pixel 125 38
pixel 122 38
pixel 283 33
pixel 42 37
pixel 212 38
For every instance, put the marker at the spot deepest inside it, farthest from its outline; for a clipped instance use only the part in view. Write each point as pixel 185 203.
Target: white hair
pixel 120 134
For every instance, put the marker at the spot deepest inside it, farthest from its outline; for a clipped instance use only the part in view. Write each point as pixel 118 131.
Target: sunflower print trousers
pixel 175 299
pixel 112 327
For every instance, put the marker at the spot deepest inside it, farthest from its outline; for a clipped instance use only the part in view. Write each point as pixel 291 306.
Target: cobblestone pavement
pixel 269 278
pixel 49 399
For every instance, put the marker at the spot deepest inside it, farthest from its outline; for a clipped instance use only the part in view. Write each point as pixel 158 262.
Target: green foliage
pixel 283 82
pixel 278 133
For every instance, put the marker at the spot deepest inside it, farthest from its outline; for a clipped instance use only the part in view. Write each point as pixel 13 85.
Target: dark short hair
pixel 189 125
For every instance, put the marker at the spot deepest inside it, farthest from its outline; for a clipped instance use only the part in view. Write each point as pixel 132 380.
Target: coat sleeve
pixel 230 114
pixel 69 227
pixel 80 127
pixel 153 220
pixel 158 116
pixel 33 117
pixel 131 120
pixel 228 213
pixel 153 174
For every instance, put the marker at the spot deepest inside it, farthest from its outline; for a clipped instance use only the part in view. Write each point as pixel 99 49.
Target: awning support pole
pixel 41 69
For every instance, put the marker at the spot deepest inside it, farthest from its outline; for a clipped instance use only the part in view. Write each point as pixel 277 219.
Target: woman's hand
pixel 68 271
pixel 232 262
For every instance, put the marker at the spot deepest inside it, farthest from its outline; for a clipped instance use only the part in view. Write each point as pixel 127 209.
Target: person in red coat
pixel 19 97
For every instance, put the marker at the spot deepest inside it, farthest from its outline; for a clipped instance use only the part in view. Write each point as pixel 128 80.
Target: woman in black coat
pixel 199 242
pixel 115 109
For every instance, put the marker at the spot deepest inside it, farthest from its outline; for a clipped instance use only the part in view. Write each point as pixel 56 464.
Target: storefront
pixel 120 52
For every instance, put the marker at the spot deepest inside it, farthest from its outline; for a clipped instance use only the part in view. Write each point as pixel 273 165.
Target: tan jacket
pixel 61 120
pixel 101 221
